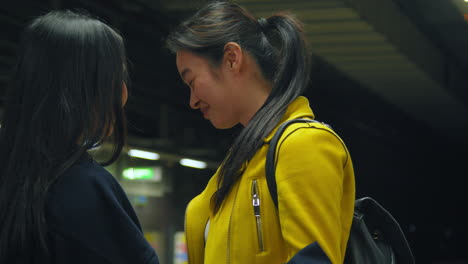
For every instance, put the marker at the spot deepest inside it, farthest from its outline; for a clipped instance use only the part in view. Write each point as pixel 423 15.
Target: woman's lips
pixel 204 112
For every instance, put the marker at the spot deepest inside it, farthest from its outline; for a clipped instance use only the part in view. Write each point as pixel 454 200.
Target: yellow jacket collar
pixel 299 108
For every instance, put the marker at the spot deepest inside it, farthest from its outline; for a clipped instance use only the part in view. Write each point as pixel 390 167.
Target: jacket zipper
pixel 258 217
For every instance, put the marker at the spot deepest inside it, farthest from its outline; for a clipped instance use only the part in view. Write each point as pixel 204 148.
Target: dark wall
pixel 414 172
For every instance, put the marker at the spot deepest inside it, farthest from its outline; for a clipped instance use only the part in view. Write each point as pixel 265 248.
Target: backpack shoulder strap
pixel 270 164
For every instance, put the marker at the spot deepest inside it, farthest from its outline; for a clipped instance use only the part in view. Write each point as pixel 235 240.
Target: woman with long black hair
pixel 241 70
pixel 57 205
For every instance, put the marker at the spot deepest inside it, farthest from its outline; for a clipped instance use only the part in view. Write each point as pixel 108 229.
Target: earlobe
pixel 232 55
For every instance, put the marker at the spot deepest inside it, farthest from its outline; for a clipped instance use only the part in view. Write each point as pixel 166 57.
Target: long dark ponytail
pixel 65 98
pixel 276 43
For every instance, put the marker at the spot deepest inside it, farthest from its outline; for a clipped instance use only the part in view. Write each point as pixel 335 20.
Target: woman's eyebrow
pixel 184 72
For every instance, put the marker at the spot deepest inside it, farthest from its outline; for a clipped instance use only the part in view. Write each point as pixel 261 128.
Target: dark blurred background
pixel 390 76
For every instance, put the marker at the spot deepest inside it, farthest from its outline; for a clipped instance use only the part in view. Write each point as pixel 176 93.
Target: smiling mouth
pixel 204 112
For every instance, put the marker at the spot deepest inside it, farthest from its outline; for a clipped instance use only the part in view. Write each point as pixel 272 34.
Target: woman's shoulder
pixel 305 138
pixel 88 208
pixel 309 131
pixel 85 185
pixel 85 171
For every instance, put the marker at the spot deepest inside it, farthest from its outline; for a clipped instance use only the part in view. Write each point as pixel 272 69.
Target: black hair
pixel 278 46
pixel 65 97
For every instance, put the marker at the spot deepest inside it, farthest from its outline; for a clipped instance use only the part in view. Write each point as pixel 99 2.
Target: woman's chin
pixel 222 125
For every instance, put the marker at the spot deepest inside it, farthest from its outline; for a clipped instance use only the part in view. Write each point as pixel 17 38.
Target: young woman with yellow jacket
pixel 248 71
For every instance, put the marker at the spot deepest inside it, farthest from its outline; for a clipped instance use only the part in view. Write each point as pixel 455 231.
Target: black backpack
pixel 375 238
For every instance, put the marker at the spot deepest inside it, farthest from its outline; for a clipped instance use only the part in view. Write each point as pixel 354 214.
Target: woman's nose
pixel 194 101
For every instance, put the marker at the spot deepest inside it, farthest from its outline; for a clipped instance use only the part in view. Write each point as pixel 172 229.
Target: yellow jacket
pixel 316 195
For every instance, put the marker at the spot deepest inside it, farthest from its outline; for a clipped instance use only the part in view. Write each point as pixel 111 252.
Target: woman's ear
pixel 233 56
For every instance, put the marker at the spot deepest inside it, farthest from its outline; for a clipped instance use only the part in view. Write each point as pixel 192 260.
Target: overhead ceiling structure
pixel 376 44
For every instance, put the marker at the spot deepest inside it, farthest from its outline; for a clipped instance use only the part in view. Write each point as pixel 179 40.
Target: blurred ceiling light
pixel 193 163
pixel 143 154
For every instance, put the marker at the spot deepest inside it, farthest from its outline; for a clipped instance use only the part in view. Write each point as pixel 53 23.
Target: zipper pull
pixel 258 218
pixel 255 199
pixel 256 204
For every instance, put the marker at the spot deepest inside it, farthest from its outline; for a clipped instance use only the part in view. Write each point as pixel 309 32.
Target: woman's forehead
pixel 187 62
